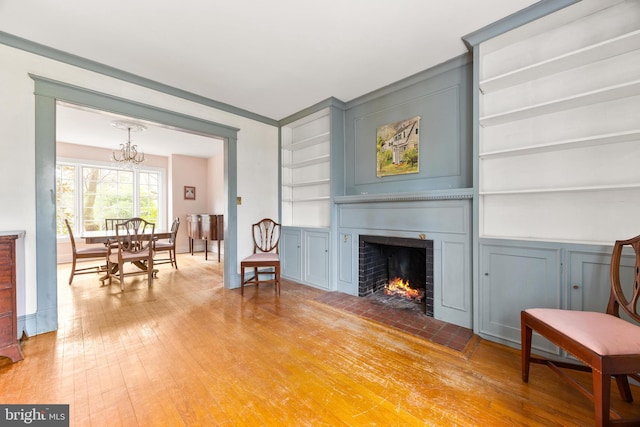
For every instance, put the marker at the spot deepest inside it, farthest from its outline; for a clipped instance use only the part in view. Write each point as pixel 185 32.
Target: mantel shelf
pixel 449 194
pixel 588 141
pixel 309 142
pixel 310 162
pixel 600 95
pixel 596 52
pixel 561 190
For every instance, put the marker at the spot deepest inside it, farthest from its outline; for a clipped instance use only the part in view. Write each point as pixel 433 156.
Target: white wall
pixel 257 148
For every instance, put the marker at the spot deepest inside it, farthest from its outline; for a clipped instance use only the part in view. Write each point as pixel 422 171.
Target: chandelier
pixel 128 156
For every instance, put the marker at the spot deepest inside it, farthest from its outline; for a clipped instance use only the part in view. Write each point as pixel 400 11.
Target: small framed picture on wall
pixel 189 193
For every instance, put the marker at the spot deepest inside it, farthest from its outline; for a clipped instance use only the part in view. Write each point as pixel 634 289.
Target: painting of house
pixel 398 147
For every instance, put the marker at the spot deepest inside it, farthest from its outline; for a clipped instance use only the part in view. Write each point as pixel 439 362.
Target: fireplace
pixel 384 261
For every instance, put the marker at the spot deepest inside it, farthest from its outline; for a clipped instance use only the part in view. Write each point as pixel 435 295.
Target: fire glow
pixel 401 288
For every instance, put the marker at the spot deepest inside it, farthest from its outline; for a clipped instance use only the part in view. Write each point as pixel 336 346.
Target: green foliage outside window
pixel 106 193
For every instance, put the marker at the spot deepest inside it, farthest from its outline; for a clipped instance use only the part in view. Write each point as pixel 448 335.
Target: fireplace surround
pixel 383 259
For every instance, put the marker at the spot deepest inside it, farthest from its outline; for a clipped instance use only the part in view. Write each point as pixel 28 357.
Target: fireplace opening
pixel 397 272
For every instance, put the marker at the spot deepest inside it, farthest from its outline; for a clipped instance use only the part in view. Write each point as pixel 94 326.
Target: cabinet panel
pixel 589 283
pixel 290 253
pixel 316 265
pixel 514 278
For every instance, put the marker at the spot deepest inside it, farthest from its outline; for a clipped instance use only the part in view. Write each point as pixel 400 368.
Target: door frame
pixel 47 93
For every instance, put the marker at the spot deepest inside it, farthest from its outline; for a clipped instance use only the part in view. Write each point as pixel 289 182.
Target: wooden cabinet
pixel 205 227
pixel 9 344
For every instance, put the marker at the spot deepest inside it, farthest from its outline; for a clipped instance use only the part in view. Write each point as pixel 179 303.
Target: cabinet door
pixel 514 278
pixel 290 254
pixel 317 258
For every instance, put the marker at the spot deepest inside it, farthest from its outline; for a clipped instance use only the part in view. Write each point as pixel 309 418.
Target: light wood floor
pixel 188 352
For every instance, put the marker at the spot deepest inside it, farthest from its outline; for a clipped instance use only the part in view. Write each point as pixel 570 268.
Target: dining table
pixel 106 236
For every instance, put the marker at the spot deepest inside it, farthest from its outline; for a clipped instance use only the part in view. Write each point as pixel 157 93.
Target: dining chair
pixel 265 259
pixel 168 246
pixel 110 223
pixel 607 345
pixel 133 243
pixel 98 252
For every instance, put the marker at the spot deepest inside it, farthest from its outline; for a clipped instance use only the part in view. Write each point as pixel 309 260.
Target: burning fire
pixel 399 287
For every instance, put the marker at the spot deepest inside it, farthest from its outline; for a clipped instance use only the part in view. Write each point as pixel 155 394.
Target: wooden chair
pixel 99 252
pixel 266 236
pixel 168 246
pixel 133 243
pixel 607 345
pixel 110 223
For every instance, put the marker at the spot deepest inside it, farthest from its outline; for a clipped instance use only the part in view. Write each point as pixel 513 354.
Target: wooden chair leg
pixel 255 274
pixel 525 352
pixel 601 397
pixel 150 272
pixel 73 270
pixel 121 275
pixel 277 277
pixel 241 280
pixel 623 387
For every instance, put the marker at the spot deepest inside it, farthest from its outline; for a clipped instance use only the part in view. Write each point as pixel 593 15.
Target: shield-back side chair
pixel 94 252
pixel 265 260
pixel 168 246
pixel 133 243
pixel 607 345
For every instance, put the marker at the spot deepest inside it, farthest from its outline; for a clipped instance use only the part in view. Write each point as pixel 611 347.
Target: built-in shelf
pixel 608 93
pixel 309 142
pixel 306 146
pixel 596 52
pixel 308 183
pixel 561 190
pixel 594 140
pixel 306 199
pixel 309 162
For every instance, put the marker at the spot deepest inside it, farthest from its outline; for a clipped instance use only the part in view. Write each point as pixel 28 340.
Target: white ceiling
pixel 269 57
pixel 76 125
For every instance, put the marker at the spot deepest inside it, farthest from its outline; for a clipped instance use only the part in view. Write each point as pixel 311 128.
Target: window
pixel 87 193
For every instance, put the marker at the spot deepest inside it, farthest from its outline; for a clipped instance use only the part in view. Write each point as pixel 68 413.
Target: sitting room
pixel 445 190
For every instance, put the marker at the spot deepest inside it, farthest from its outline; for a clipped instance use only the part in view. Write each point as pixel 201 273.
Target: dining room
pixel 114 167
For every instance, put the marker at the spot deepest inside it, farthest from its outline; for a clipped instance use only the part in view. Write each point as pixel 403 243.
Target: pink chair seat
pixel 262 257
pixel 603 333
pixel 126 256
pixel 99 251
pixel 162 244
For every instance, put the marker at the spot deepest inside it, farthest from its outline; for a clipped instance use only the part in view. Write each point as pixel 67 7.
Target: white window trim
pixel 78 163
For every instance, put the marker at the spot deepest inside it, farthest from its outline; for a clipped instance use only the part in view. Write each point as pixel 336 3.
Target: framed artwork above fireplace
pixel 397 147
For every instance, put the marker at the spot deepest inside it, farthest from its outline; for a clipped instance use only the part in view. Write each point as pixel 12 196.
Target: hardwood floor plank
pixel 189 352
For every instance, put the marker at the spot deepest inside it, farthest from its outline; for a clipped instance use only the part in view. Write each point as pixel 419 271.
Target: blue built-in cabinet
pixel 304 255
pixel 516 275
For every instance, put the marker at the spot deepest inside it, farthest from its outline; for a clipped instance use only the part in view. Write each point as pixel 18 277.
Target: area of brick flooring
pixel 410 321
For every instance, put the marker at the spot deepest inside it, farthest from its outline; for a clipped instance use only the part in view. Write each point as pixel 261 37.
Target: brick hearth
pixel 409 321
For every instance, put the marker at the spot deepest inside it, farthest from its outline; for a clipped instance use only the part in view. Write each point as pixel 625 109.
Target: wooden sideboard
pixel 9 343
pixel 205 227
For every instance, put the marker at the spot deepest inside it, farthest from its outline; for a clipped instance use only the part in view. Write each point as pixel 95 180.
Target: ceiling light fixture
pixel 127 156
